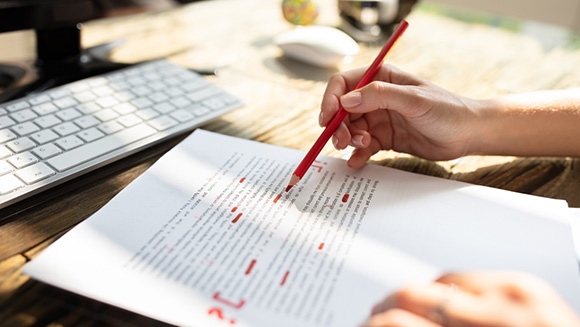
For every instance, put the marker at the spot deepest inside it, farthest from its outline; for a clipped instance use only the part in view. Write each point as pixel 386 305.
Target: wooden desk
pixel 282 99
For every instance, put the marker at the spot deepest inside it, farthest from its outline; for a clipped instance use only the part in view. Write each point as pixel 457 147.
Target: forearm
pixel 543 123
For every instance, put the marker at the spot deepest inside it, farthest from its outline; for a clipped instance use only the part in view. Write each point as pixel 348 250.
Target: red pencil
pixel 341 114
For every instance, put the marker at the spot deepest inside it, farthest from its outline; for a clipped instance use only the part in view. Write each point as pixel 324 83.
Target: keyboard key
pixel 199 110
pixel 85 96
pixel 124 108
pixel 182 115
pixel 45 108
pixel 23 115
pixel 22 159
pixel 44 136
pixel 7 135
pixel 214 103
pixel 204 93
pixel 158 97
pixel 141 90
pixel 103 90
pixel 164 107
pixel 88 108
pixel 47 121
pixel 9 183
pixel 90 135
pixel 180 102
pixel 58 93
pixel 87 122
pixel 68 114
pixel 35 173
pixel 21 144
pixel 107 101
pixel 5 167
pixel 5 152
pixel 129 120
pixel 110 127
pixel 25 128
pixel 100 147
pixel 17 106
pixel 147 114
pixel 65 102
pixel 39 99
pixel 106 115
pixel 66 128
pixel 69 142
pixel 6 122
pixel 46 151
pixel 142 102
pixel 162 123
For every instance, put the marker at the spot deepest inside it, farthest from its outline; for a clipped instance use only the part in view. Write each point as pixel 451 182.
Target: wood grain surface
pixel 282 103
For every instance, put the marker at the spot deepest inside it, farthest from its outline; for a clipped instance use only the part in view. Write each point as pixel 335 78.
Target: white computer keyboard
pixel 59 134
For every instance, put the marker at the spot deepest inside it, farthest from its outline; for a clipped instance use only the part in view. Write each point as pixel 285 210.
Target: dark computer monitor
pixel 59 56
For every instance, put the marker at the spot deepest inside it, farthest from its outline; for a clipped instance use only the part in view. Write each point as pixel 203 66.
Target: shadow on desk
pixel 548 177
pixel 43 305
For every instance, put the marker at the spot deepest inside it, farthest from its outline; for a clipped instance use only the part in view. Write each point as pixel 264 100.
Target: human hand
pixel 399 111
pixel 477 299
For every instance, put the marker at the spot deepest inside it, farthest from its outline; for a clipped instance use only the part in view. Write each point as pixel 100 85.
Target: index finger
pixel 338 84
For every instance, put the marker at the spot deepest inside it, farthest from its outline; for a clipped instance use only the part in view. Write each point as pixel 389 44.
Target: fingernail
pixel 357 141
pixel 320 118
pixel 351 99
pixel 335 143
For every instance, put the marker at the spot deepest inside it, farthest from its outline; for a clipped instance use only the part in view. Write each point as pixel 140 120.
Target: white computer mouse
pixel 322 46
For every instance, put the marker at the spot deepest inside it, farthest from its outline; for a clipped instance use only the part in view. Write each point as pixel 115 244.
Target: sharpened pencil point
pixel 293 180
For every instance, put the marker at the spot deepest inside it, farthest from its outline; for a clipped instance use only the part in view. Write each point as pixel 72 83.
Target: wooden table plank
pixel 282 104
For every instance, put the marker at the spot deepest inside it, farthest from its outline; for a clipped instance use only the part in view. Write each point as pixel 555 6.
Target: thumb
pixel 381 95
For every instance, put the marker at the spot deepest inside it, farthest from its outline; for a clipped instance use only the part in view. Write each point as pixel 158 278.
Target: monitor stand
pixel 60 60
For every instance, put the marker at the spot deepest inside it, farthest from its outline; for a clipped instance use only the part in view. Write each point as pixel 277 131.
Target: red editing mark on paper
pixel 252 264
pixel 345 198
pixel 234 209
pixel 237 218
pixel 318 167
pixel 242 180
pixel 320 162
pixel 284 279
pixel 321 246
pixel 277 198
pixel 220 314
pixel 217 297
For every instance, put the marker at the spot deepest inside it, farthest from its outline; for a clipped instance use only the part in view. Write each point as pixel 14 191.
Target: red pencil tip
pixel 293 180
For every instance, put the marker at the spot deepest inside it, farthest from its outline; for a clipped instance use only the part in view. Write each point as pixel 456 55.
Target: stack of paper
pixel 206 237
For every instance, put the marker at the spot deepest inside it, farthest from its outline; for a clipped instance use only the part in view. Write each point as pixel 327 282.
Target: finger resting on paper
pixel 399 318
pixel 437 302
pixel 360 156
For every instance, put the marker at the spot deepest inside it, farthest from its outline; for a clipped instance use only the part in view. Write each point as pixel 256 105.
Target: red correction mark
pixel 234 209
pixel 218 312
pixel 252 264
pixel 321 246
pixel 284 279
pixel 242 180
pixel 237 218
pixel 277 198
pixel 217 297
pixel 345 197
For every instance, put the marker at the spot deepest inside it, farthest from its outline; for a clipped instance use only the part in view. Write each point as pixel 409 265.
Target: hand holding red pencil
pixel 341 114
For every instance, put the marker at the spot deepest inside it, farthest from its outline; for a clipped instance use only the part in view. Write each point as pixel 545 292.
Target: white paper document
pixel 207 237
